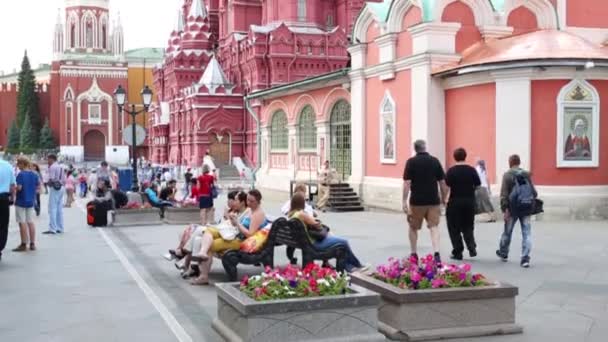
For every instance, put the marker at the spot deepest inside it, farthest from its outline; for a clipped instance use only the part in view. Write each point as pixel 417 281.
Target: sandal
pixel 200 258
pixel 176 256
pixel 199 282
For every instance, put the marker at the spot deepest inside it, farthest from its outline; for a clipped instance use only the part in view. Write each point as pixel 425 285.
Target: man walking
pixel 326 177
pixel 7 191
pixel 517 200
pixel 28 185
pixel 422 174
pixel 56 183
pixel 103 172
pixel 460 213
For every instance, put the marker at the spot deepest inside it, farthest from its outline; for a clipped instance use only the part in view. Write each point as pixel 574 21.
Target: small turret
pixel 118 42
pixel 58 37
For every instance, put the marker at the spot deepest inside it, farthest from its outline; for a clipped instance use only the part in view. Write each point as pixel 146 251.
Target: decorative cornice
pixel 434 28
pixel 386 39
pixel 91 73
pixel 490 32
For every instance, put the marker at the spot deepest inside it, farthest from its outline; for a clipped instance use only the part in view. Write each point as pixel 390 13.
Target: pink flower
pixel 416 277
pixel 466 267
pixel 245 281
pixel 428 258
pixel 437 283
pixel 462 276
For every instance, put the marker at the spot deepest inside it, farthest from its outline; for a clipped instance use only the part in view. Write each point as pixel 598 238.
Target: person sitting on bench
pixel 248 223
pixel 326 240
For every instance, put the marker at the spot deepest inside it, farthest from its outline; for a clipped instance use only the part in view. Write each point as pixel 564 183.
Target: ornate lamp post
pixel 146 97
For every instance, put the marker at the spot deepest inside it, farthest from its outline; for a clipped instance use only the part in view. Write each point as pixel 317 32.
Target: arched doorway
pixel 219 148
pixel 94 145
pixel 340 152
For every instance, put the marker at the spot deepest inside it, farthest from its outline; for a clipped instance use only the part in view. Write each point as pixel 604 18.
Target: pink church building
pixel 356 83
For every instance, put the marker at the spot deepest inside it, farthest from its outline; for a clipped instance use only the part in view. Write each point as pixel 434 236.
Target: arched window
pixel 578 125
pixel 301 10
pixel 72 35
pixel 388 143
pixel 104 36
pixel 89 33
pixel 279 131
pixel 307 132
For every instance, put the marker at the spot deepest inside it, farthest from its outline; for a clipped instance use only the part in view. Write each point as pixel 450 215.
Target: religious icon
pixel 577 142
pixel 389 147
pixel 387 131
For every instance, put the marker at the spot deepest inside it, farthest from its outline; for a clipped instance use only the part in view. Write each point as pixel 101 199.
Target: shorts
pixel 24 215
pixel 205 202
pixel 430 213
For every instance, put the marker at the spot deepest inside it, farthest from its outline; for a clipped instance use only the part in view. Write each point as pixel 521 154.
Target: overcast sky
pixel 29 24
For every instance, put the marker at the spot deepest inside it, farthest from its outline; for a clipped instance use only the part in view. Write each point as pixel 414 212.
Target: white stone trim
pixel 387 47
pixel 72 18
pixel 83 23
pixel 545 13
pixel 358 137
pixel 95 94
pixel 399 9
pixel 513 122
pixel 434 37
pixel 70 118
pixel 482 10
pixel 364 20
pixel 562 14
pixel 495 32
pixel 92 73
pixel 387 99
pixel 358 54
pixel 594 105
pixel 594 35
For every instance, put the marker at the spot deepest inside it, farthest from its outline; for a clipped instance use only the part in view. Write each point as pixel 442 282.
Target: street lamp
pixel 146 96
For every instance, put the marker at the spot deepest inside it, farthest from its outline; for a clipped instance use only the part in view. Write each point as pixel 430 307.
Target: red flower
pixel 313 283
pixel 245 281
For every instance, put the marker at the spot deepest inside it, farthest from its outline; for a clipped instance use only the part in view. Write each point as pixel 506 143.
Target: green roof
pixel 498 5
pixel 380 9
pixel 145 53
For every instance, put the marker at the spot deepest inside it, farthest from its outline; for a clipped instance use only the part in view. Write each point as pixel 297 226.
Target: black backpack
pixel 521 199
pixel 120 198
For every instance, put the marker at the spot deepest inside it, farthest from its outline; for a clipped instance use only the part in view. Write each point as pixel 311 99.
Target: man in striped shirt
pixel 56 183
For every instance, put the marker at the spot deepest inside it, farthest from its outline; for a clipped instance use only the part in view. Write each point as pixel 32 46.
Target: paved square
pixel 76 288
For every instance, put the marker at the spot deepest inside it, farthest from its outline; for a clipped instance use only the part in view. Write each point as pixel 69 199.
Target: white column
pixel 562 10
pixel 265 149
pixel 110 130
pixel 323 134
pixel 357 135
pixel 513 119
pixel 79 109
pixel 428 111
pixel 292 155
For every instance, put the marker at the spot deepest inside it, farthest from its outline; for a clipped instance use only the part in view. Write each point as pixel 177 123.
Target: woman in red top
pixel 205 182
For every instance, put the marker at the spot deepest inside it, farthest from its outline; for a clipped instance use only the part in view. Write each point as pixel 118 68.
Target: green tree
pixel 27 134
pixel 27 101
pixel 13 138
pixel 47 141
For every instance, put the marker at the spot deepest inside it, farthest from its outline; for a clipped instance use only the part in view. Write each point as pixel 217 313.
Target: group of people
pixel 465 192
pixel 243 217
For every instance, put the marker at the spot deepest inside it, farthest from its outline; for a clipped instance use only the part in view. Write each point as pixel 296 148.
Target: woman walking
pixel 69 188
pixel 37 171
pixel 205 183
pixel 482 194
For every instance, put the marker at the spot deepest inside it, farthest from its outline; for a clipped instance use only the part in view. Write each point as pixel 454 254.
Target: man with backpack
pixel 517 201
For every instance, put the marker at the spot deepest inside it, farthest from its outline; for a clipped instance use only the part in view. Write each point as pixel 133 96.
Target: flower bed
pixel 290 304
pixel 424 301
pixel 292 282
pixel 425 274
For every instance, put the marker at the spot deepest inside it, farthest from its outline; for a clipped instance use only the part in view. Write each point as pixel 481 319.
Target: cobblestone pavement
pixel 113 285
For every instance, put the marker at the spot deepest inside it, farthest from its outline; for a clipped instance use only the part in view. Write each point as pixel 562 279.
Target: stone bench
pixel 179 216
pixel 136 217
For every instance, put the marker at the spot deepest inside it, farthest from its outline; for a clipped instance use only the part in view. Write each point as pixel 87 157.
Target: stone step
pixel 347 209
pixel 339 185
pixel 348 198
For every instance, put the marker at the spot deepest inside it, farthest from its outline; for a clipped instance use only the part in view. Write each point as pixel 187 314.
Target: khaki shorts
pixel 417 214
pixel 24 215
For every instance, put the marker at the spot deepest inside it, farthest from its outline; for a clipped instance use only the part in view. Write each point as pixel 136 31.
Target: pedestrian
pixel 325 177
pixel 56 185
pixel 483 193
pixel 28 184
pixel 103 173
pixel 243 177
pixel 517 199
pixel 187 182
pixel 421 175
pixel 7 193
pixel 205 183
pixel 36 169
pixel 462 179
pixel 70 187
pixel 82 183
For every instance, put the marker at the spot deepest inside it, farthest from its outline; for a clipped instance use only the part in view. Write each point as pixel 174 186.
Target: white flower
pixel 299 273
pixel 286 288
pixel 291 293
pixel 322 282
pixel 279 277
pixel 265 283
pixel 255 278
pixel 332 280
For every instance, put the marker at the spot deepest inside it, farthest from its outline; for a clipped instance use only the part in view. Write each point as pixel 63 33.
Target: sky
pixel 29 24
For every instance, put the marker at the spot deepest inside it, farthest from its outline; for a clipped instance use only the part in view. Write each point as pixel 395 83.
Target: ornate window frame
pixel 279 133
pixel 388 112
pixel 307 136
pixel 97 119
pixel 578 95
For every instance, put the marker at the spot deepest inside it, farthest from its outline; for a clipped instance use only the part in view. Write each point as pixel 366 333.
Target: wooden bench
pixel 282 232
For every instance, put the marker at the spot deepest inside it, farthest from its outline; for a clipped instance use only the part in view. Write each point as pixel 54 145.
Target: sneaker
pixel 32 246
pixel 49 232
pixel 525 263
pixel 472 253
pixel 414 258
pixel 21 248
pixel 502 257
pixel 437 259
pixel 362 269
pixel 456 256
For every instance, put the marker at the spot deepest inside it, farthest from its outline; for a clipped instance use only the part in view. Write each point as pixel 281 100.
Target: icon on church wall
pixel 577 142
pixel 387 131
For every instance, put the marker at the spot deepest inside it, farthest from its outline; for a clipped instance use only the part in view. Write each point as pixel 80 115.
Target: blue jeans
pixel 330 240
pixel 526 233
pixel 56 210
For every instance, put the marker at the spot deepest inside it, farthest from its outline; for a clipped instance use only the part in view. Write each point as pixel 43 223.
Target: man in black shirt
pixel 422 174
pixel 460 213
pixel 168 193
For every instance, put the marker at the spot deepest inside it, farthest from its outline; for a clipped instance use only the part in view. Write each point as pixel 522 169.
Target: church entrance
pixel 94 145
pixel 219 148
pixel 340 153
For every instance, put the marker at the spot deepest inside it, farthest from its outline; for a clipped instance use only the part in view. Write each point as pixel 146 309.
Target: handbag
pixel 538 207
pixel 319 234
pixel 214 191
pixel 55 184
pixel 227 231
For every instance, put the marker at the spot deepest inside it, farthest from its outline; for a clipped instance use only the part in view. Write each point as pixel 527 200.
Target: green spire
pixel 499 5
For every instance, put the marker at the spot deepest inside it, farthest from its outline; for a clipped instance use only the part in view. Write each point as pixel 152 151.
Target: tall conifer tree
pixel 27 134
pixel 27 101
pixel 13 137
pixel 47 141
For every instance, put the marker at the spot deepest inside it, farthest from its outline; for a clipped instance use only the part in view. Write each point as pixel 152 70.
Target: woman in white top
pixel 483 193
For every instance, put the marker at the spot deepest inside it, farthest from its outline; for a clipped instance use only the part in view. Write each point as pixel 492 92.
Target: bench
pixel 136 217
pixel 282 232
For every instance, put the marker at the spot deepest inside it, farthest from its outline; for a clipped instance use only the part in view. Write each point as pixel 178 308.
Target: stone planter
pixel 352 317
pixel 182 215
pixel 136 217
pixel 435 314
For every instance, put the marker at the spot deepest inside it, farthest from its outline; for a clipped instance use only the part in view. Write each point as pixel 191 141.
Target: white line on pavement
pixel 170 320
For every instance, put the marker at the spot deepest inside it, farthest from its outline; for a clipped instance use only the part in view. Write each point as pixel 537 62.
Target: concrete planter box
pixel 189 215
pixel 352 317
pixel 421 315
pixel 136 217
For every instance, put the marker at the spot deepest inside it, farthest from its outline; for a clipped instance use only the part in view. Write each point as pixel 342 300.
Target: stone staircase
pixel 342 198
pixel 228 173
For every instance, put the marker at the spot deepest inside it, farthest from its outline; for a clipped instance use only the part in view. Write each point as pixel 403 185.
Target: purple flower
pixel 430 276
pixel 293 283
pixel 462 276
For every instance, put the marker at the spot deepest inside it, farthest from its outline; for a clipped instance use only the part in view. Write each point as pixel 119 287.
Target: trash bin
pixel 125 179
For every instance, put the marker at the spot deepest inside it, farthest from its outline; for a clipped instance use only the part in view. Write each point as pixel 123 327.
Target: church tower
pixel 87 26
